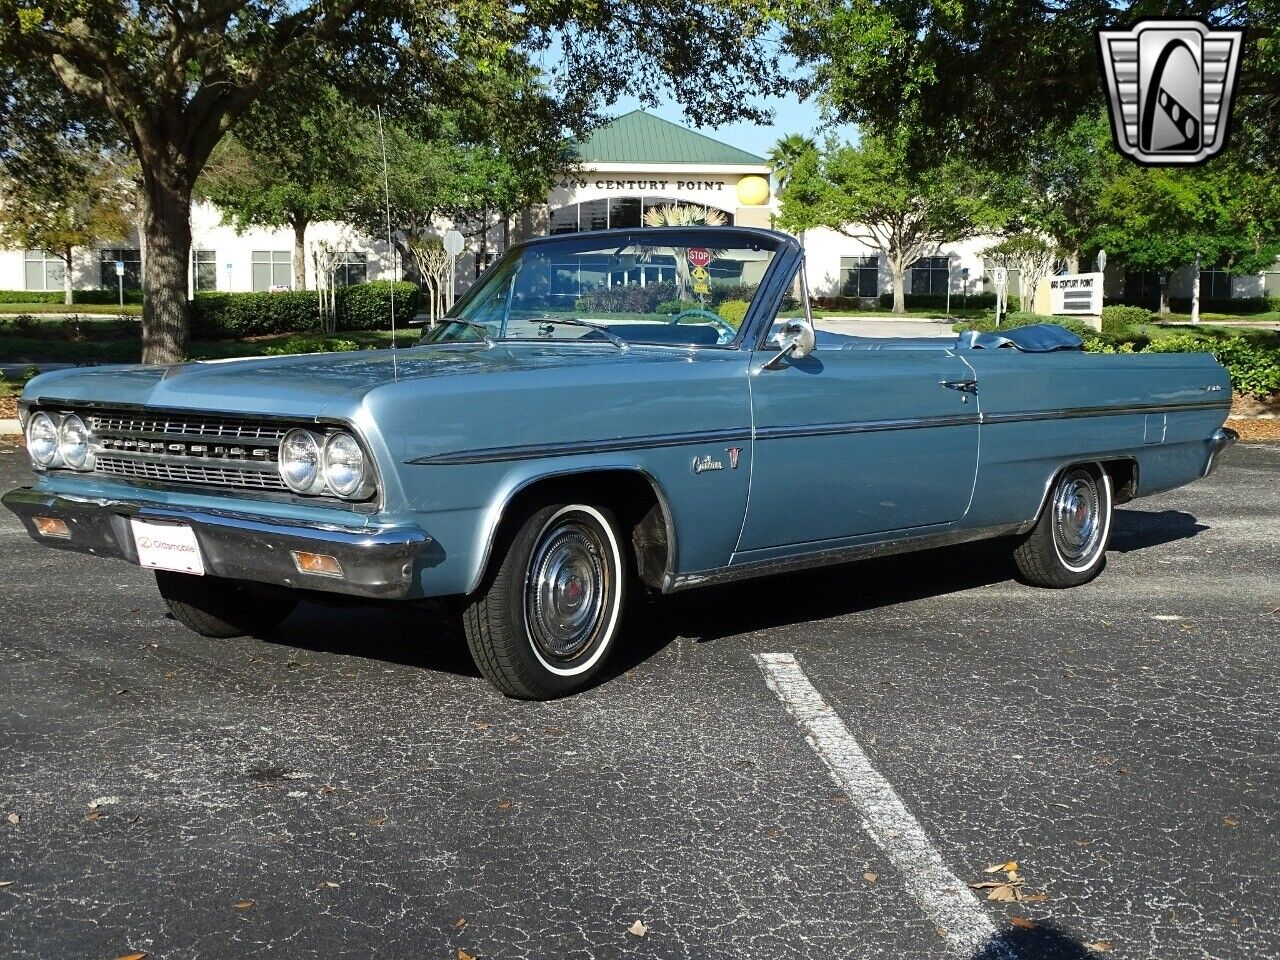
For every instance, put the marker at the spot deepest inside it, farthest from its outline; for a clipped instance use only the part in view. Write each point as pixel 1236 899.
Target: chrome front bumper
pixel 377 562
pixel 1219 443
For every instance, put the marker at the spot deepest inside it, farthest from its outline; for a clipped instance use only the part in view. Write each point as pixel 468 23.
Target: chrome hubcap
pixel 568 590
pixel 1077 517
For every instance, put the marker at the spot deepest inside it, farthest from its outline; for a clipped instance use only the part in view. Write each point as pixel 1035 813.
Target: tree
pixel 1159 219
pixel 289 162
pixel 62 197
pixel 987 75
pixel 174 77
pixel 1032 255
pixel 788 152
pixel 684 215
pixel 872 193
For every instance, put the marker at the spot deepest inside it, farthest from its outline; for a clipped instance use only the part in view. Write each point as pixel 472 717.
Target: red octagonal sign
pixel 699 256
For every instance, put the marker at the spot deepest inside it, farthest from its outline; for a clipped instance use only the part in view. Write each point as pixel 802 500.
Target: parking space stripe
pixel 952 907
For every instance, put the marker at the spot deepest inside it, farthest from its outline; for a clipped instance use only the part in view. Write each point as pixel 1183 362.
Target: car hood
pixel 306 385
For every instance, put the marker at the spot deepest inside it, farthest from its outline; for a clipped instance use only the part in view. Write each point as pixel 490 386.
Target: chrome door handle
pixel 967 386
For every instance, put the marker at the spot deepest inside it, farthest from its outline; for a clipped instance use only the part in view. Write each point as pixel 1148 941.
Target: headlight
pixel 73 443
pixel 42 440
pixel 300 462
pixel 344 467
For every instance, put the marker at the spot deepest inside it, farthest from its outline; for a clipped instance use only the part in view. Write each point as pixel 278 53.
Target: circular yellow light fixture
pixel 753 191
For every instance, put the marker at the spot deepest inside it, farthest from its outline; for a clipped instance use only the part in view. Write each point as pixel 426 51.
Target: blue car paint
pixel 457 430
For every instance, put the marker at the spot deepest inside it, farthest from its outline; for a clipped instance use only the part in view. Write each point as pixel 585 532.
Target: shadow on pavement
pixel 1039 943
pixel 1139 529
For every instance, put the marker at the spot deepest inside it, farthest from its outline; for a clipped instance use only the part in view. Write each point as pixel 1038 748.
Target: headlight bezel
pixel 363 486
pixel 54 459
pixel 86 461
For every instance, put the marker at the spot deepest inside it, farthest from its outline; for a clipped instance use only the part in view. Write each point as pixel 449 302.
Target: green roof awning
pixel 639 137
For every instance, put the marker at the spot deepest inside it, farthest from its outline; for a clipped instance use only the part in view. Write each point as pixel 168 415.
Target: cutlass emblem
pixel 703 464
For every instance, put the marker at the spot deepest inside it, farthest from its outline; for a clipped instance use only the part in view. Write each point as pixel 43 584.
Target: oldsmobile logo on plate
pixel 1170 84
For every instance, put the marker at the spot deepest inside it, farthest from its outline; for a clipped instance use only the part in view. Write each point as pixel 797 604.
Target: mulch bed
pixel 8 408
pixel 1256 431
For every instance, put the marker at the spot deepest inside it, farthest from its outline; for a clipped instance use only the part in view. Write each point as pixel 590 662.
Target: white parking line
pixel 952 907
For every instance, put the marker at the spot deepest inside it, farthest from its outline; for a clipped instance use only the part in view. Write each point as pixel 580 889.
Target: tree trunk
pixel 899 287
pixel 300 255
pixel 167 233
pixel 1164 293
pixel 1073 262
pixel 68 297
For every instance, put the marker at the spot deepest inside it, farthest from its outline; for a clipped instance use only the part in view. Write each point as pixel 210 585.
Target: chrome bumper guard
pixel 377 562
pixel 1219 443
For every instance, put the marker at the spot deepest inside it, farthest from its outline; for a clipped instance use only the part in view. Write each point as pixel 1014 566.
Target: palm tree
pixel 683 215
pixel 786 153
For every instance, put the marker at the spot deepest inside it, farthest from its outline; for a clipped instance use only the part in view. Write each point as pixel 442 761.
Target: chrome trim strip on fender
pixel 823 558
pixel 580 447
pixel 536 451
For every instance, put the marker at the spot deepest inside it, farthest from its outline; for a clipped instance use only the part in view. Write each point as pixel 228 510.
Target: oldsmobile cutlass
pixel 602 414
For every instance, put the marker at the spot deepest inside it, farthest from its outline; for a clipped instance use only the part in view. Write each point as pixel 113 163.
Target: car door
pixel 860 437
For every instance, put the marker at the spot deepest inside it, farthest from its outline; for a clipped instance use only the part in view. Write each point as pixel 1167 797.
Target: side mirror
pixel 797 338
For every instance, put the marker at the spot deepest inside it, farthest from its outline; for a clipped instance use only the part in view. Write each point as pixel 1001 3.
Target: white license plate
pixel 167 546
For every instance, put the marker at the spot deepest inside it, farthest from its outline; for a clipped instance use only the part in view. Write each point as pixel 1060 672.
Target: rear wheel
pixel 545 618
pixel 217 607
pixel 1068 545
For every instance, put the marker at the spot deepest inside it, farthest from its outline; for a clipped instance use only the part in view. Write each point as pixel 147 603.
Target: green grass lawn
pixel 85 309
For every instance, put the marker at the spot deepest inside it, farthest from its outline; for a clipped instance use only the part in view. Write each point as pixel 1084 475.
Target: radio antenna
pixel 386 193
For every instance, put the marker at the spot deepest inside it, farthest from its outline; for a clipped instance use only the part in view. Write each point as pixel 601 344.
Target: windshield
pixel 686 288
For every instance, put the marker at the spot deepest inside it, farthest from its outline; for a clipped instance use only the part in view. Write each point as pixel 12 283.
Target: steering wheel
pixel 715 319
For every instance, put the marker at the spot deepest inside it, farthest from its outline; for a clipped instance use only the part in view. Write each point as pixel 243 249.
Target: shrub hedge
pixel 733 312
pixel 107 296
pixel 365 306
pixel 1122 319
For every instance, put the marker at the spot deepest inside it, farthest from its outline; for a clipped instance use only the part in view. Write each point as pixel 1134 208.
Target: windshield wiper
pixel 480 327
pixel 604 331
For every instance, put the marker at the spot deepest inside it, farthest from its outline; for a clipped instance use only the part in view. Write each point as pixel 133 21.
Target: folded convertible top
pixel 1039 338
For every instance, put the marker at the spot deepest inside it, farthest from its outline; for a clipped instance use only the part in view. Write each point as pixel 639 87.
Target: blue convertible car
pixel 603 413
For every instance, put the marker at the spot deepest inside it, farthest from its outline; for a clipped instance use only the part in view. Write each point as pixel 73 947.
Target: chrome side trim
pixel 1069 413
pixel 823 558
pixel 867 426
pixel 536 451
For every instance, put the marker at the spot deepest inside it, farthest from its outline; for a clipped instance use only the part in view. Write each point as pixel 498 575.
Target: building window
pixel 351 268
pixel 860 276
pixel 132 258
pixel 43 271
pixel 1142 288
pixel 204 269
pixel 616 213
pixel 1215 284
pixel 272 269
pixel 930 275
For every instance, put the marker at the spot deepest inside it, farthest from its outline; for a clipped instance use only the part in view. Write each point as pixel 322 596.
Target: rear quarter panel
pixel 1166 407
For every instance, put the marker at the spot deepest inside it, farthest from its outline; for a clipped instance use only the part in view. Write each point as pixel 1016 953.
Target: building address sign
pixel 633 185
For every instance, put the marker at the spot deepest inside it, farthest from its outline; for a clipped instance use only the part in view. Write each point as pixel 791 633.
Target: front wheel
pixel 545 618
pixel 221 608
pixel 1068 545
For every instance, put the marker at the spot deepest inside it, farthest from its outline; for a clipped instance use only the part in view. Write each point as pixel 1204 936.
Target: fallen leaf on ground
pixel 459 923
pixel 1035 898
pixel 1231 821
pixel 483 726
pixel 870 877
pixel 14 818
pixel 504 805
pixel 243 904
pixel 463 955
pixel 987 884
pixel 137 955
pixel 638 929
pixel 6 883
pixel 330 884
pixel 1102 946
pixel 1022 922
pixel 94 815
pixel 1005 893
pixel 377 821
pixel 1002 867
pixel 555 729
pixel 328 789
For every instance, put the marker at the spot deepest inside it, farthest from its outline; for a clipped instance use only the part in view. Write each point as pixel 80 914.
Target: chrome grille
pixel 203 449
pixel 167 472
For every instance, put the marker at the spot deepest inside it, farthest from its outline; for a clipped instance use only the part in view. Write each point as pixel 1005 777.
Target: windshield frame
pixel 786 259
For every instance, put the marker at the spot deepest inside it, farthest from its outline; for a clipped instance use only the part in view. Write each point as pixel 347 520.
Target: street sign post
pixel 1000 277
pixel 964 279
pixel 120 280
pixel 453 244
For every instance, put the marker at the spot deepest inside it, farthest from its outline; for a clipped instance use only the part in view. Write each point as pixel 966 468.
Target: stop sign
pixel 699 256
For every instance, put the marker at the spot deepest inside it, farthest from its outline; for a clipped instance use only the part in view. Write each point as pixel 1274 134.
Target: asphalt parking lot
pixel 351 787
